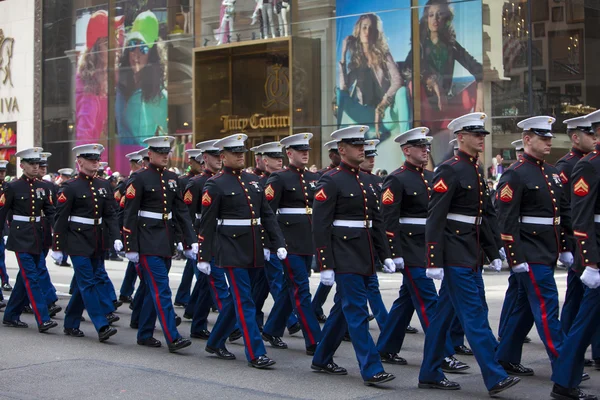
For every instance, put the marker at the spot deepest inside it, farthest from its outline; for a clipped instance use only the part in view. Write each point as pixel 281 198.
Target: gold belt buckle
pixel 254 221
pixel 366 222
pixel 97 221
pixel 32 219
pixel 309 210
pixel 557 221
pixel 165 217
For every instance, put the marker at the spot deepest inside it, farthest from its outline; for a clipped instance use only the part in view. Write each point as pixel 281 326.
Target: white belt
pixel 86 221
pixel 540 220
pixel 413 221
pixel 198 216
pixel 302 211
pixel 24 218
pixel 597 218
pixel 353 223
pixel 239 222
pixel 467 219
pixel 154 215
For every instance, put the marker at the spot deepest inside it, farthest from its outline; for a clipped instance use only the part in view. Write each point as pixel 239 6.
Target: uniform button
pixel 345 237
pixel 351 194
pixel 586 260
pixel 469 187
pixel 361 184
pixel 537 187
pixel 431 247
pixel 92 188
pixel 234 235
pixel 534 232
pixel 432 263
pixel 389 240
pixel 262 237
pixel 306 194
pixel 583 242
pixel 84 196
pixel 457 232
pixel 409 233
pixel 514 261
pixel 323 258
pixel 249 198
pixel 303 181
pixel 324 266
pixel 165 202
pixel 95 199
pixel 153 190
pixel 246 190
pixel 426 181
pixel 243 184
pixel 585 251
pixel 512 254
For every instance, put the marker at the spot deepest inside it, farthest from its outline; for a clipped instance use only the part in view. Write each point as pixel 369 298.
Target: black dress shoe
pixel 179 344
pixel 53 310
pixel 203 334
pixel 322 318
pixel 346 337
pixel 390 358
pixel 516 369
pixel 463 350
pixel 117 303
pixel 310 350
pixel 27 310
pixel 188 316
pixel 371 317
pixel 134 325
pixel 64 264
pixel 45 326
pixel 261 362
pixel 331 369
pixel 2 305
pixel 235 335
pixel 380 378
pixel 504 384
pixel 75 332
pixel 451 365
pixel 562 393
pixel 527 339
pixel 295 328
pixel 585 377
pixel 149 342
pixel 177 320
pixel 178 304
pixel 106 332
pixel 444 384
pixel 15 324
pixel 275 341
pixel 125 299
pixel 6 287
pixel 587 362
pixel 223 353
pixel 131 306
pixel 82 318
pixel 214 309
pixel 597 364
pixel 112 318
pixel 410 329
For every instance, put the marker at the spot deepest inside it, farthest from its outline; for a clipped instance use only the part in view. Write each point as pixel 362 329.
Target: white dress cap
pixel 160 144
pixel 233 143
pixel 580 124
pixel 32 154
pixel 415 136
pixel 208 146
pixel 541 126
pixel 193 153
pixel 134 157
pixel 518 144
pixel 331 145
pixel 66 171
pixel 299 141
pixel 354 134
pixel 271 149
pixel 472 122
pixel 89 151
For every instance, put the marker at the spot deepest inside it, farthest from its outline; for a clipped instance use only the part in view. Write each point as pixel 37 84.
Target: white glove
pixel 591 277
pixel 502 253
pixel 281 253
pixel 5 239
pixel 56 255
pixel 267 254
pixel 566 257
pixel 328 277
pixel 399 263
pixel 203 267
pixel 118 245
pixel 389 266
pixel 496 265
pixel 523 267
pixel 435 273
pixel 179 246
pixel 133 256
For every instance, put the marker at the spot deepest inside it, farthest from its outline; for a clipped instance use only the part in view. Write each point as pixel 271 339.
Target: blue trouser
pixel 240 308
pixel 107 289
pixel 27 290
pixel 417 293
pixel 45 283
pixel 350 312
pixel 514 290
pixel 376 302
pixel 541 297
pixel 104 292
pixel 568 367
pixel 459 295
pixel 183 292
pixel 155 271
pixel 3 274
pixel 138 298
pixel 320 298
pixel 295 296
pixel 65 257
pixel 128 285
pixel 268 280
pixel 203 302
pixel 573 298
pixel 85 294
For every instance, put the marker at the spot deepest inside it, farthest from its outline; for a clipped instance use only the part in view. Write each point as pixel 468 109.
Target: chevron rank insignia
pixel 387 197
pixel 270 192
pixel 581 187
pixel 580 234
pixel 506 194
pixel 321 196
pixel 440 186
pixel 130 192
pixel 188 197
pixel 62 198
pixel 122 202
pixel 206 199
pixel 2 200
pixel 118 196
pixel 506 238
pixel 563 177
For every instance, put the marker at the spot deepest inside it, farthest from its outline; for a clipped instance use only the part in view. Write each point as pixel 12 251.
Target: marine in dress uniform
pixel 153 207
pixel 290 193
pixel 453 234
pixel 349 232
pixel 4 279
pixel 533 208
pixel 404 202
pixel 567 369
pixel 259 169
pixel 26 198
pixel 65 174
pixel 235 218
pixel 85 208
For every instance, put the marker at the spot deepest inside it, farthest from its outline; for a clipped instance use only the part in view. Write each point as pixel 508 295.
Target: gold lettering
pixel 15 105
pixel 256 121
pixel 9 105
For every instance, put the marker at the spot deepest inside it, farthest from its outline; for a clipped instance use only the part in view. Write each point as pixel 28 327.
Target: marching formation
pixel 247 235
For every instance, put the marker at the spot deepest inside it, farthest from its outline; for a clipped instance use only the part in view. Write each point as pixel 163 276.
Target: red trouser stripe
pixel 311 338
pixel 211 280
pixel 161 312
pixel 29 292
pixel 538 292
pixel 419 299
pixel 238 303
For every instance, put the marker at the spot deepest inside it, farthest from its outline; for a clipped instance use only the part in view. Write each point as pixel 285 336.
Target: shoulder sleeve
pixel 391 203
pixel 134 193
pixel 211 199
pixel 583 201
pixel 66 196
pixel 273 190
pixel 510 193
pixel 323 212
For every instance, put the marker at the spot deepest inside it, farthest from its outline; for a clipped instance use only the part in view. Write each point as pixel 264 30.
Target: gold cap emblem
pixel 305 136
pixel 482 116
pixel 239 137
pixel 549 120
pixel 166 139
pixel 362 129
pixel 423 130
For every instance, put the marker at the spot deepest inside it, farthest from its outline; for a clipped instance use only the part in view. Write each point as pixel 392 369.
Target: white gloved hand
pixel 389 266
pixel 56 255
pixel 118 245
pixel 192 252
pixel 399 263
pixel 267 254
pixel 203 267
pixel 435 273
pixel 5 239
pixel 502 253
pixel 194 248
pixel 496 265
pixel 281 253
pixel 328 277
pixel 591 277
pixel 566 257
pixel 179 246
pixel 523 267
pixel 133 256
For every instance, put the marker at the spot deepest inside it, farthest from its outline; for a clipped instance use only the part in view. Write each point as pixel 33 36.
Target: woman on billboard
pixel 141 103
pixel 370 85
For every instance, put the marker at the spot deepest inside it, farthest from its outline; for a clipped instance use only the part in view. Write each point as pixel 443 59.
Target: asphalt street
pixel 54 366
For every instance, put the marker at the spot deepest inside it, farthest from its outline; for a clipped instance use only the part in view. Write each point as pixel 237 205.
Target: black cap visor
pixel 90 156
pixel 300 147
pixel 160 150
pixel 235 149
